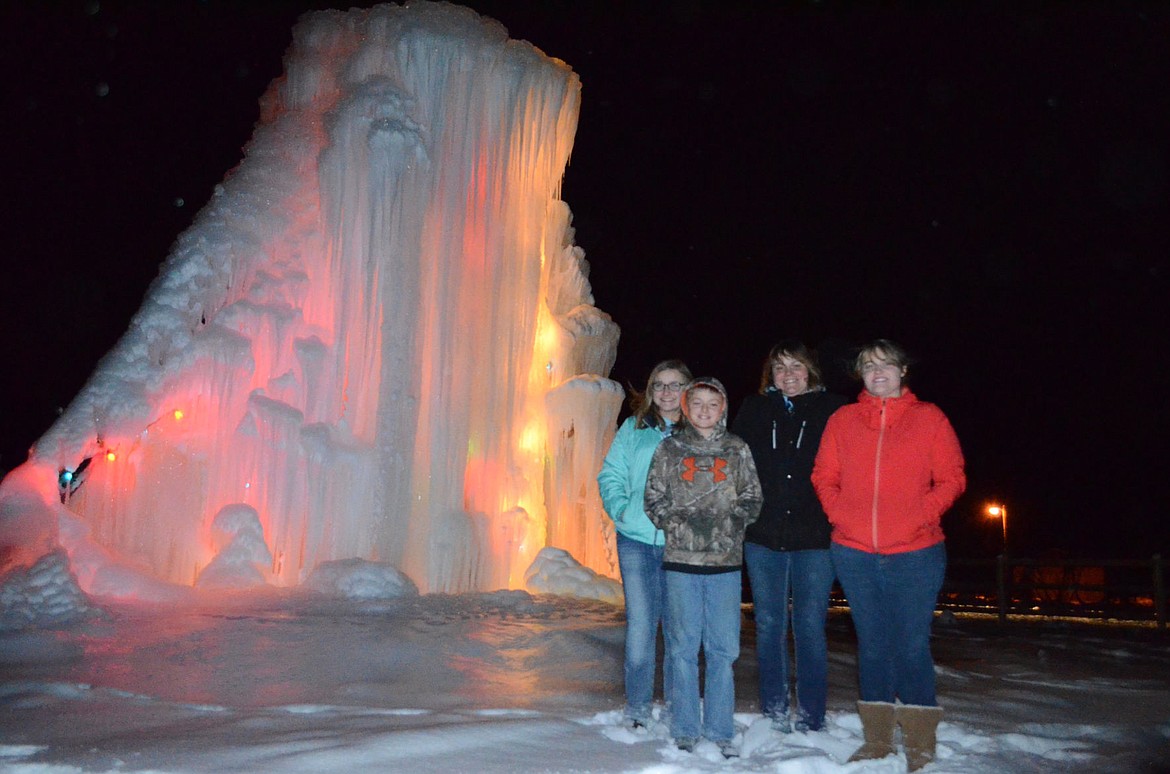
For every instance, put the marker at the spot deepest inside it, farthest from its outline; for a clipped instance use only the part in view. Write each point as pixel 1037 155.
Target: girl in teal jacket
pixel 622 482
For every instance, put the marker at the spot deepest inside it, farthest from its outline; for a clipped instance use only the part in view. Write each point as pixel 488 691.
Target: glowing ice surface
pixel 378 337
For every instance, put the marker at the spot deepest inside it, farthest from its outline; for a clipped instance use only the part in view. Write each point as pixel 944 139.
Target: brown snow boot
pixel 919 725
pixel 877 724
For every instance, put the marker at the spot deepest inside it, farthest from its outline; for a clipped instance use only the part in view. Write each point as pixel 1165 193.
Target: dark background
pixel 987 183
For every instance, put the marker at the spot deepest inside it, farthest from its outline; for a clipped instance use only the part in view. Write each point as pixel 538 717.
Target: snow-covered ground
pixel 297 681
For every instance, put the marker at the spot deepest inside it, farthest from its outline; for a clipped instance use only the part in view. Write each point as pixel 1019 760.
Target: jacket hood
pixel 711 383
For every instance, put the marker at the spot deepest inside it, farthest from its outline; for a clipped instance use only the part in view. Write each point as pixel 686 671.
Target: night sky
pixel 987 183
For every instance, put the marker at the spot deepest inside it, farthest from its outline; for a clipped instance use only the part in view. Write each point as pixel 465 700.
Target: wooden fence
pixel 1124 590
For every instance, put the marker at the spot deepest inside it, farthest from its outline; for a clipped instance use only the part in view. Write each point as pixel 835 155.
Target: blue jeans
pixel 892 599
pixel 808 575
pixel 704 610
pixel 644 585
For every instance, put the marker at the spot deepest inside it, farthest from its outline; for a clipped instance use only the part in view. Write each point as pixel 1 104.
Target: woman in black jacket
pixel 787 548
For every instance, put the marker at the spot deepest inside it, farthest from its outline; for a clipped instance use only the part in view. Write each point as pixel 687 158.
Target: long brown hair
pixel 642 403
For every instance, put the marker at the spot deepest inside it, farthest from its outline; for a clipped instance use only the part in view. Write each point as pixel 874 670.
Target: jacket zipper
pixel 877 471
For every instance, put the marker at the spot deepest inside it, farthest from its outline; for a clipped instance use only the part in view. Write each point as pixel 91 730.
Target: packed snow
pixel 362 673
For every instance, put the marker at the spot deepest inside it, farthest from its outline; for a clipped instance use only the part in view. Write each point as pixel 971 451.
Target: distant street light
pixel 1000 512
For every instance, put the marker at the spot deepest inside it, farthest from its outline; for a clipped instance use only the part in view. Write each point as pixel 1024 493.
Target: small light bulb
pixel 178 414
pixel 110 456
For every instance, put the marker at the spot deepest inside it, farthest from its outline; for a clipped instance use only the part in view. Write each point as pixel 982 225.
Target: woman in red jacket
pixel 888 467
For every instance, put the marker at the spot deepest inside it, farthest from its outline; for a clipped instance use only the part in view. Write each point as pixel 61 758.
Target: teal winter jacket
pixel 622 481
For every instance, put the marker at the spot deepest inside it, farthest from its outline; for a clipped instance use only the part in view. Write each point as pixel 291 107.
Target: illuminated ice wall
pixel 376 341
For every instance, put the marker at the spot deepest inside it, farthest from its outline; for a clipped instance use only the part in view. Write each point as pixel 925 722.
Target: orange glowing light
pixel 110 456
pixel 178 415
pixel 531 439
pixel 548 338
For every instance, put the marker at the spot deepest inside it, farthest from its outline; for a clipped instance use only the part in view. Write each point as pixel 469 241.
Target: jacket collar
pixel 894 407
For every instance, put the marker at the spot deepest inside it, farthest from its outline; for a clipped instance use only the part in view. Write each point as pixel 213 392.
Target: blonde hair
pixel 642 404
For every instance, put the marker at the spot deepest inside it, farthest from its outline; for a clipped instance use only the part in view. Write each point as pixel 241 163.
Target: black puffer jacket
pixel 784 447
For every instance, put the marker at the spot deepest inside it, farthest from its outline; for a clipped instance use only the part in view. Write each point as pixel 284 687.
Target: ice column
pixel 378 336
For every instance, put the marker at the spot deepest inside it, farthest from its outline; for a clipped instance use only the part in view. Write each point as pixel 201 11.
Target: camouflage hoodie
pixel 703 492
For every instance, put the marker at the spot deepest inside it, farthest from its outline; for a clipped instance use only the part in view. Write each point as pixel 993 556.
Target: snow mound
pixel 555 571
pixel 359 579
pixel 101 574
pixel 44 595
pixel 28 524
pixel 119 581
pixel 244 555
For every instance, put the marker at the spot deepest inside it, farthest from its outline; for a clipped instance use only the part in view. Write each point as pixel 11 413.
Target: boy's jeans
pixel 809 577
pixel 704 609
pixel 644 585
pixel 892 599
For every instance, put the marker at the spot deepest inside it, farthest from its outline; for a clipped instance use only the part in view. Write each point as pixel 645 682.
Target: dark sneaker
pixel 782 724
pixel 686 743
pixel 803 725
pixel 729 749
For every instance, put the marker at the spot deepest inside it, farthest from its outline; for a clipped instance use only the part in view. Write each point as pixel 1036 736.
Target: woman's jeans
pixel 704 610
pixel 892 599
pixel 808 576
pixel 644 584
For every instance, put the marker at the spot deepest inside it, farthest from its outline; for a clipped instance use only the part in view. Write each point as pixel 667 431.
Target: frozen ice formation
pixel 376 342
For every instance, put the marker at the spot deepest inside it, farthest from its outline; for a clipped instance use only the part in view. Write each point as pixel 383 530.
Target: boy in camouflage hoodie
pixel 703 491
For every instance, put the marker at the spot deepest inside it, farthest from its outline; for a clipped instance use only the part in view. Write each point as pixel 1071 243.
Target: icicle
pixel 379 333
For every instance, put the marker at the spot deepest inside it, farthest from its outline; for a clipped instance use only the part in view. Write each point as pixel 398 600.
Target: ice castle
pixel 378 339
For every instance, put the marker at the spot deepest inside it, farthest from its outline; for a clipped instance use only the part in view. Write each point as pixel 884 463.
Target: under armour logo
pixel 712 465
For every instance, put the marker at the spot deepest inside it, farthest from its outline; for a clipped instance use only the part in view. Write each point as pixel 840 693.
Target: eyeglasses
pixel 662 387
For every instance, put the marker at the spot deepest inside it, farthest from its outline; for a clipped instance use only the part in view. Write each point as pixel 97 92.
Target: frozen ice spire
pixel 378 335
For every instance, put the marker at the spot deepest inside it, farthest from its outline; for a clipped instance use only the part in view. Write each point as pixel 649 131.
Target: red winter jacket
pixel 886 472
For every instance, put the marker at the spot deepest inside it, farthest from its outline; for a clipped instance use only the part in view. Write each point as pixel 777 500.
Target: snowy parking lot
pixel 506 681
